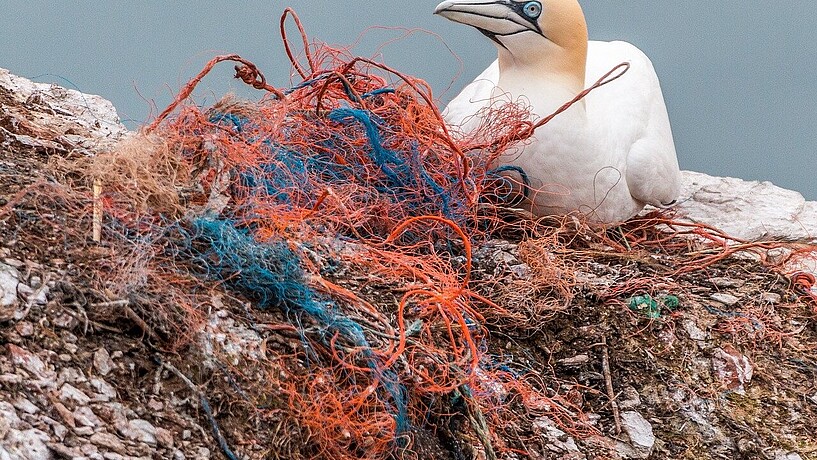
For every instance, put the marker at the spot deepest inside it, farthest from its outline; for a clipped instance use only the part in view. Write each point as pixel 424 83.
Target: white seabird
pixel 608 155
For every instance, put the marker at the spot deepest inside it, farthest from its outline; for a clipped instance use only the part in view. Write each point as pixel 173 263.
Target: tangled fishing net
pixel 350 170
pixel 313 202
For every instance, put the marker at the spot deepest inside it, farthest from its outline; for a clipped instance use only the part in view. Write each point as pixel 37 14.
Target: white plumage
pixel 607 156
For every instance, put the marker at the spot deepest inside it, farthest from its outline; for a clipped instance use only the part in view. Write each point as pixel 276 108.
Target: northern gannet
pixel 608 155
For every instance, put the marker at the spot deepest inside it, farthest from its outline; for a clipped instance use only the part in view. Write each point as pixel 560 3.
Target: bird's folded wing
pixel 637 114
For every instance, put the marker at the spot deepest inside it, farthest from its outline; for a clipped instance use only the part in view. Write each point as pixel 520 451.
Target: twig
pixel 97 220
pixel 139 321
pixel 88 321
pixel 608 380
pixel 112 303
pixel 222 443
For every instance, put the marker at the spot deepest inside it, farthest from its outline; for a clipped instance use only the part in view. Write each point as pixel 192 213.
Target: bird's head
pixel 550 33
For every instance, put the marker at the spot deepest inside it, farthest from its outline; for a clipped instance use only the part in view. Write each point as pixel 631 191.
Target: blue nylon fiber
pixel 378 92
pixel 445 206
pixel 495 173
pixel 380 155
pixel 230 119
pixel 297 175
pixel 402 173
pixel 271 273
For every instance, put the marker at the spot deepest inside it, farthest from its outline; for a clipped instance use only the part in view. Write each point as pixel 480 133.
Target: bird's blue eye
pixel 532 9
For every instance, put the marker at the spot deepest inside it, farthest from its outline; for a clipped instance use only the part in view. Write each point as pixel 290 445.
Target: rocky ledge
pixel 76 383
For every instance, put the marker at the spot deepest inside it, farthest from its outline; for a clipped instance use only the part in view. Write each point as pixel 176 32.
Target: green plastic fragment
pixel 671 302
pixel 652 308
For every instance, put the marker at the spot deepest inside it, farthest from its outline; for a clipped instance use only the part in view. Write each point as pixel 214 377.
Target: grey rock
pixel 30 362
pixel 64 451
pixel 577 360
pixel 24 405
pixel 15 263
pixel 68 337
pixel 630 399
pixel 11 379
pixel 723 282
pixel 103 362
pixel 164 437
pixel 65 321
pixel 90 449
pixel 5 426
pixel 59 430
pixel 69 393
pixel 70 375
pixel 783 455
pixel 90 115
pixel 642 439
pixel 694 332
pixel 520 272
pixel 556 440
pixel 27 445
pixel 24 328
pixel 104 391
pixel 224 335
pixel 156 405
pixel 771 298
pixel 8 418
pixel 115 413
pixel 84 431
pixel 9 282
pixel 108 441
pixel 141 431
pixel 727 299
pixel 84 416
pixel 33 296
pixel 748 210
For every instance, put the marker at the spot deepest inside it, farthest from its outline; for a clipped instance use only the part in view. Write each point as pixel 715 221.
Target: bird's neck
pixel 544 84
pixel 552 63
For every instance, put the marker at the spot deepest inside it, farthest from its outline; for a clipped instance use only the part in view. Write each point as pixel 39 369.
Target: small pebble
pixel 727 299
pixel 24 328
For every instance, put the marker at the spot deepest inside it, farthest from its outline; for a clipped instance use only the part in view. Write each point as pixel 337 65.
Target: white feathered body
pixel 606 157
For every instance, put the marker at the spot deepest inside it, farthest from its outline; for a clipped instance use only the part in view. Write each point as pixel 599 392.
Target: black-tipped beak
pixel 494 18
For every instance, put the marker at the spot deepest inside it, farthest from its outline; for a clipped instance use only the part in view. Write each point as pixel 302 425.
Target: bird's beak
pixel 494 18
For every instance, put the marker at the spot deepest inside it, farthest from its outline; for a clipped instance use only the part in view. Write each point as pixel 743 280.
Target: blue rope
pixel 271 274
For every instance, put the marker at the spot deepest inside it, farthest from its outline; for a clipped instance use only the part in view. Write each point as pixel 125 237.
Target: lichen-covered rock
pixel 25 445
pixel 748 210
pixel 68 115
pixel 9 280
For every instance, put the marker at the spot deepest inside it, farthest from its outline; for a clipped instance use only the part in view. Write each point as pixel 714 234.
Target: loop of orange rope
pixel 465 241
pixel 297 65
pixel 247 72
pixel 805 282
pixel 529 127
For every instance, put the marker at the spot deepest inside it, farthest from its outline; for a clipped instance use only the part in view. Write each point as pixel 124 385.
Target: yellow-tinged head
pixel 546 35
